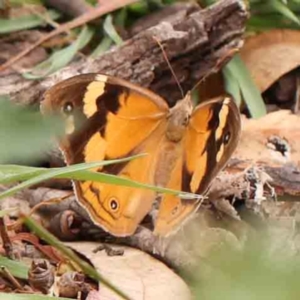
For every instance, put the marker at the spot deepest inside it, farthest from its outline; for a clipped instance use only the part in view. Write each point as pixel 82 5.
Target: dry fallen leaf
pixel 270 55
pixel 271 142
pixel 259 139
pixel 136 273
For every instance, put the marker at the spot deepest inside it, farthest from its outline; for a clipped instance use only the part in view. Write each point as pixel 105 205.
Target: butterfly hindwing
pixel 210 139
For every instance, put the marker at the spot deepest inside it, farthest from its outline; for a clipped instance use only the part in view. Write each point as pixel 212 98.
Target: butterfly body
pixel 109 118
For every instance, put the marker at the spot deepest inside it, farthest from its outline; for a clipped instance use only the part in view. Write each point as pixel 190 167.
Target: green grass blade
pixel 263 22
pixel 14 173
pixel 16 268
pixel 103 46
pixel 139 8
pixel 5 296
pixel 32 176
pixel 120 17
pixel 62 57
pixel 110 30
pixel 117 180
pixel 250 92
pixel 85 267
pixel 284 10
pixel 232 85
pixel 25 22
pixel 22 2
pixel 42 174
pixel 24 134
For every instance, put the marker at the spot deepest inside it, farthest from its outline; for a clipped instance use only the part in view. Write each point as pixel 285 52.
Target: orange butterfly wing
pixel 210 139
pixel 104 117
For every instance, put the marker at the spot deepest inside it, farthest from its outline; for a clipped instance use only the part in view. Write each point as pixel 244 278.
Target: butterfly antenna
pixel 169 65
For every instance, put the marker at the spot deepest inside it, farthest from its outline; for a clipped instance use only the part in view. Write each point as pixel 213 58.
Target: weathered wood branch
pixel 194 41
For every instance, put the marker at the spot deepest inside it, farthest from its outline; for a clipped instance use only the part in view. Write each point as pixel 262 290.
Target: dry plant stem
pixel 194 42
pixel 72 8
pixel 36 207
pixel 11 278
pixel 7 245
pixel 40 195
pixel 81 20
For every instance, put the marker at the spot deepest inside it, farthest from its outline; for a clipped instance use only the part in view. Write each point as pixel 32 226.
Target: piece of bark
pixel 194 45
pixel 14 43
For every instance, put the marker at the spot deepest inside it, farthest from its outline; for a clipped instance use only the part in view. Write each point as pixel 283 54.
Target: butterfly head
pixel 179 118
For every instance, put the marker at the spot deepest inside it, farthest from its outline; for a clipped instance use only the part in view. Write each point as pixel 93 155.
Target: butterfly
pixel 109 118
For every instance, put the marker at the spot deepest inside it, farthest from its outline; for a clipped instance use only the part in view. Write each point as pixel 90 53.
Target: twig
pixel 11 278
pixel 85 18
pixel 52 201
pixel 7 245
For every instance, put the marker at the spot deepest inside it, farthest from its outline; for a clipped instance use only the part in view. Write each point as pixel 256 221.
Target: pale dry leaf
pixel 135 273
pixel 256 139
pixel 271 54
pixel 94 295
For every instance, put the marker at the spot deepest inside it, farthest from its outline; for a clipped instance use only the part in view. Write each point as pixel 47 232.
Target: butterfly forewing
pixel 109 118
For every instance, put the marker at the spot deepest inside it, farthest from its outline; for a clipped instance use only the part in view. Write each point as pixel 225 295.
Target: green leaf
pixel 16 268
pixel 284 10
pixel 266 8
pixel 5 296
pixel 103 46
pixel 85 267
pixel 208 2
pixel 140 7
pixel 62 57
pixel 111 31
pixel 120 17
pixel 263 22
pixel 33 175
pixel 232 85
pixel 25 22
pixel 14 173
pixel 22 2
pixel 251 94
pixel 25 135
pixel 110 34
pixel 263 268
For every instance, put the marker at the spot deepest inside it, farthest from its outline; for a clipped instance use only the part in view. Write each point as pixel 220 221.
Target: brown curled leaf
pixel 270 55
pixel 71 283
pixel 41 275
pixel 66 225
